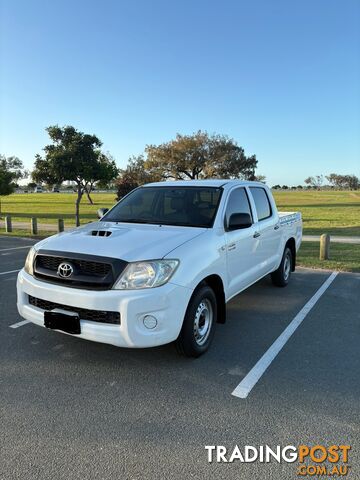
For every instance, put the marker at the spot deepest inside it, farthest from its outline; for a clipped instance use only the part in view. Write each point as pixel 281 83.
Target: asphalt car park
pixel 76 409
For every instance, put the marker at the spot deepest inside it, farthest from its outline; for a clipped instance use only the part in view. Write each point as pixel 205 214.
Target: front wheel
pixel 281 276
pixel 199 323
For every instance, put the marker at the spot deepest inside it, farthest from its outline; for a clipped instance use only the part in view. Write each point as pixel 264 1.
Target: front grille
pixel 84 313
pixel 92 272
pixel 84 267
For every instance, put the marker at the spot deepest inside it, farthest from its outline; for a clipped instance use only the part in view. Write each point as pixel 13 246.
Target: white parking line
pixel 14 248
pixel 10 271
pixel 250 380
pixel 19 324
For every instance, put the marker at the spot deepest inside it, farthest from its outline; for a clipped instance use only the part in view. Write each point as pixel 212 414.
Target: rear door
pixel 241 262
pixel 266 230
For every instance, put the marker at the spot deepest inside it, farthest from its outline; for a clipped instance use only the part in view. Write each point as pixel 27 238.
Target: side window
pixel 262 204
pixel 238 202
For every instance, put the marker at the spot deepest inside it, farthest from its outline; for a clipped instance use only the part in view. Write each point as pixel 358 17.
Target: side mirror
pixel 239 220
pixel 101 212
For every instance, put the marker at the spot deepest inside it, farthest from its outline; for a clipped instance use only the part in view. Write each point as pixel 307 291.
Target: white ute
pixel 160 265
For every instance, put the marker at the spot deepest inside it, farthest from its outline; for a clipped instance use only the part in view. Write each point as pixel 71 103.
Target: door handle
pixel 232 246
pixel 256 234
pixel 276 227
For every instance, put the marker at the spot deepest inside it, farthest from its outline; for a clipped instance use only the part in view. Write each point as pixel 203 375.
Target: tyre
pixel 281 276
pixel 199 323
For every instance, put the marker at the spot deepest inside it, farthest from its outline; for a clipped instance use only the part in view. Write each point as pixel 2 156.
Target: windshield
pixel 186 206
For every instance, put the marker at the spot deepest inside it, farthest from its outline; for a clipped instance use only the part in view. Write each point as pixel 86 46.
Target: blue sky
pixel 280 77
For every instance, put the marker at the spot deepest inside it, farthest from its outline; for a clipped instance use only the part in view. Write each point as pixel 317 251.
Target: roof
pixel 199 183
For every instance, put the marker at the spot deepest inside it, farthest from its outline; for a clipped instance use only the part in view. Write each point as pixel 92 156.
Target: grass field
pixel 51 206
pixel 333 212
pixel 343 257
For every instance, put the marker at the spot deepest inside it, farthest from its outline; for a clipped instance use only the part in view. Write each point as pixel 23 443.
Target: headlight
pixel 146 274
pixel 29 262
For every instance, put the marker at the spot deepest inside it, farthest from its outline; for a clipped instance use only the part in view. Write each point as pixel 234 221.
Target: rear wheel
pixel 281 276
pixel 199 323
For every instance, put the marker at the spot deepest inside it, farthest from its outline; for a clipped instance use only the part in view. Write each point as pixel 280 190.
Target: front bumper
pixel 167 304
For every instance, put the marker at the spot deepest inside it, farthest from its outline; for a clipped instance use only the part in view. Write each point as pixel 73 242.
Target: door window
pixel 262 204
pixel 238 202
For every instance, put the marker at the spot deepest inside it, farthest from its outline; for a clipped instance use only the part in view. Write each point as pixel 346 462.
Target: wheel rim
pixel 287 266
pixel 203 321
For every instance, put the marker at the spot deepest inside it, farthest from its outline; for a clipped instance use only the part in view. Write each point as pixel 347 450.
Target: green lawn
pixel 18 232
pixel 343 257
pixel 337 213
pixel 334 212
pixel 48 207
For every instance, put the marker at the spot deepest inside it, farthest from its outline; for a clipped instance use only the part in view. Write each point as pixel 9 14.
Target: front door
pixel 240 245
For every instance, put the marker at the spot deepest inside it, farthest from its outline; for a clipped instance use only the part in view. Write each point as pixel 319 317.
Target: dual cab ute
pixel 161 265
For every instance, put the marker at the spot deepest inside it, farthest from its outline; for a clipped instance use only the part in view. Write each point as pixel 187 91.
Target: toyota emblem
pixel 65 270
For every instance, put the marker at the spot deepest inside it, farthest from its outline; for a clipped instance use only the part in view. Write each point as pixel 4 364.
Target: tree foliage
pixel 315 181
pixel 11 170
pixel 134 175
pixel 350 182
pixel 188 157
pixel 74 156
pixel 104 171
pixel 200 155
pixel 260 178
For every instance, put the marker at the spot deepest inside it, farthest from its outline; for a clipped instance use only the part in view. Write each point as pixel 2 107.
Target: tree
pixel 350 182
pixel 124 185
pixel 135 175
pixel 260 178
pixel 353 182
pixel 104 171
pixel 333 179
pixel 11 170
pixel 315 182
pixel 276 187
pixel 199 156
pixel 72 155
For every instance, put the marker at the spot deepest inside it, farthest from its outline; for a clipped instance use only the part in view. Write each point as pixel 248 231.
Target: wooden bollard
pixel 325 246
pixel 8 224
pixel 33 226
pixel 60 225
